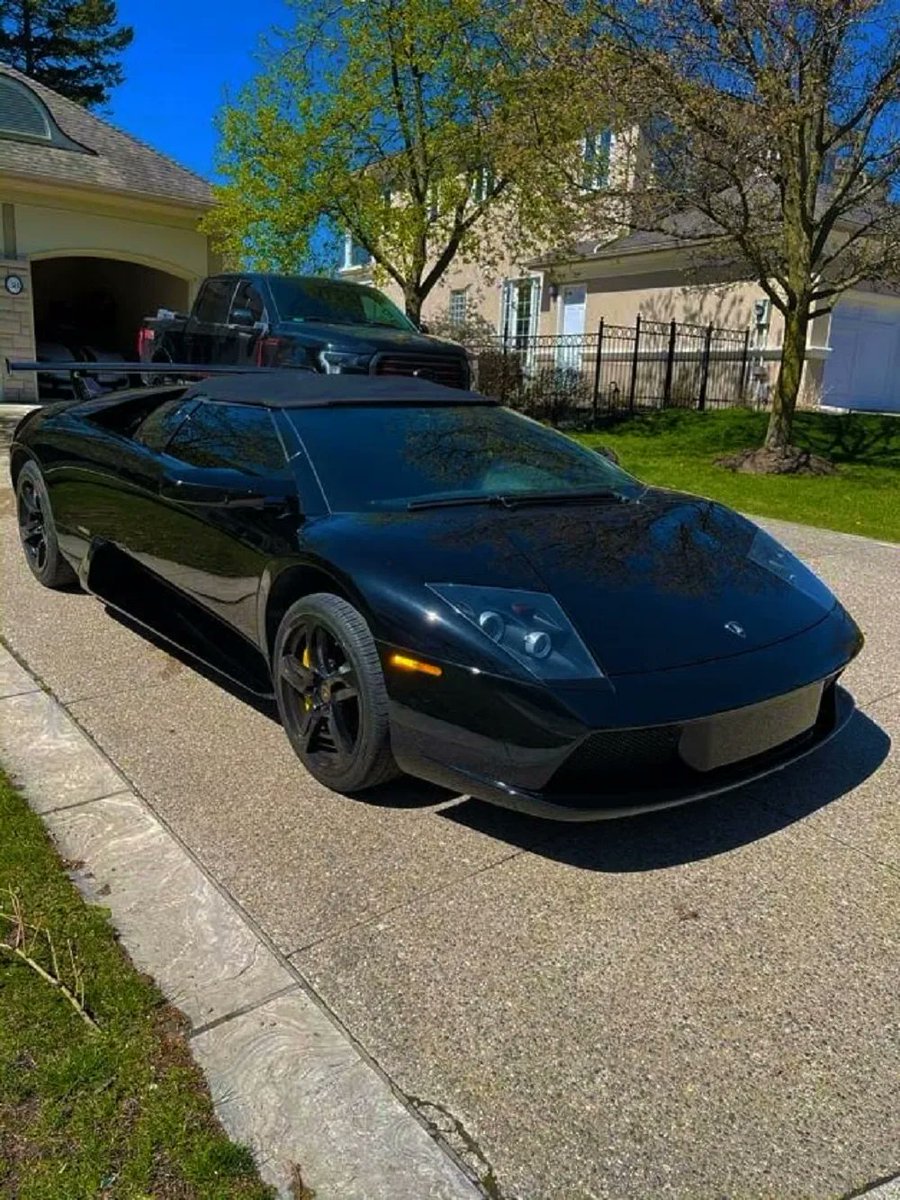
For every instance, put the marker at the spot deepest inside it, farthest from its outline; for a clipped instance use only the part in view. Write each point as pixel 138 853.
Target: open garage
pixel 99 230
pixel 96 304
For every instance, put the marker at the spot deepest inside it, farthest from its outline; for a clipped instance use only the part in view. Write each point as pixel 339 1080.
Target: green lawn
pixel 676 448
pixel 117 1113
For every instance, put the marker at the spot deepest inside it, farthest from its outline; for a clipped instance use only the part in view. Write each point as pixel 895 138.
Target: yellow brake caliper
pixel 307 700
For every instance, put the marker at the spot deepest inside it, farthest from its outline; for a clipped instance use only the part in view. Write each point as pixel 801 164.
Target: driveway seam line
pixel 413 900
pixel 302 984
pixel 243 1010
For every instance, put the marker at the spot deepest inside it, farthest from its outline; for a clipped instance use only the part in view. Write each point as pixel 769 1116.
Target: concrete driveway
pixel 703 1003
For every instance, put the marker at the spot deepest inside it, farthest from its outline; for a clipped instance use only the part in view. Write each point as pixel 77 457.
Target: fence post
pixel 596 395
pixel 744 360
pixel 704 370
pixel 634 362
pixel 670 363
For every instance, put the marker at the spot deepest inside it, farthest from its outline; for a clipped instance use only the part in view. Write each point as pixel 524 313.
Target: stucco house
pixel 98 229
pixel 853 354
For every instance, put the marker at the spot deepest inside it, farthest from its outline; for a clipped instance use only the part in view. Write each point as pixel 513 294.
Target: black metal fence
pixel 578 380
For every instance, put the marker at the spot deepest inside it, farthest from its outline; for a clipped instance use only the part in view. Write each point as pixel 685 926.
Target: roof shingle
pixel 118 162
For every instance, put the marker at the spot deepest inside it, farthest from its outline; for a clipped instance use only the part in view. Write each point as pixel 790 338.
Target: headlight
pixel 528 626
pixel 337 362
pixel 772 557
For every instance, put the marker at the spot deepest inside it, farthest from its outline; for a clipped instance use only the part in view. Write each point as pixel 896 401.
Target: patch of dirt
pixel 171 1027
pixel 299 1190
pixel 790 461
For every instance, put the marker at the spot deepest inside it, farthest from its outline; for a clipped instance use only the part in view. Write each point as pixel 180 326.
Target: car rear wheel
pixel 37 531
pixel 331 694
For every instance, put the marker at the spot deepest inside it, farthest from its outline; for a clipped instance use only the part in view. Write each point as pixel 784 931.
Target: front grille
pixel 631 760
pixel 448 369
pixel 619 756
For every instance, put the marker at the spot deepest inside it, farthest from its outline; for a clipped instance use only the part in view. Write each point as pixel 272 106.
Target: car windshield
pixel 396 457
pixel 300 299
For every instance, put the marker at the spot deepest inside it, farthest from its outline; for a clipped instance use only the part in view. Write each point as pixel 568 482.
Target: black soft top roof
pixel 308 389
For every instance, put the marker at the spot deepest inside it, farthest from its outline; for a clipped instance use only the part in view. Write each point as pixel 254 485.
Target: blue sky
pixel 185 53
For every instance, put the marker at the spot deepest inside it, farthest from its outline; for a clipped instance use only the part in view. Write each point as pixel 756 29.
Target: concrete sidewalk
pixel 702 1003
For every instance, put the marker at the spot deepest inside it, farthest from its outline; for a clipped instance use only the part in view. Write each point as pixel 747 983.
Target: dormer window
pixel 596 148
pixel 25 118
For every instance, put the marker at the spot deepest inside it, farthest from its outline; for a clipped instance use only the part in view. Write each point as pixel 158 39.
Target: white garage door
pixel 863 368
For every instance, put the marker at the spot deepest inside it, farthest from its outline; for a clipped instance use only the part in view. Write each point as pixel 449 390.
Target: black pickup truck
pixel 325 325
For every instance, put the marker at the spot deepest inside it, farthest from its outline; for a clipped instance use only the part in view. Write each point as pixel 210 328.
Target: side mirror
pixel 243 317
pixel 219 494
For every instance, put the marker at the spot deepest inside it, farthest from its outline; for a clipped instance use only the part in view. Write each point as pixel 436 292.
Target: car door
pixel 105 486
pixel 208 338
pixel 230 507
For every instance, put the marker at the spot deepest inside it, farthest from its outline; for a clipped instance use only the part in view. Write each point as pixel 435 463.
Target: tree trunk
pixel 413 302
pixel 787 388
pixel 27 39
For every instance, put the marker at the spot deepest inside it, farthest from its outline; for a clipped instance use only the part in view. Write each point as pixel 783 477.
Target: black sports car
pixel 430 583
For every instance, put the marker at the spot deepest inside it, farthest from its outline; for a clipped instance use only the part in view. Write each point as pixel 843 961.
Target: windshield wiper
pixel 514 499
pixel 452 501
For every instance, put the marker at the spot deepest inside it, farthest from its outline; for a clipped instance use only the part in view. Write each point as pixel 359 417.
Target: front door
pixel 573 303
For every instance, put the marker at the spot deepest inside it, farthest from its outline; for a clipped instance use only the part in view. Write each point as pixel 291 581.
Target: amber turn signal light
pixel 404 663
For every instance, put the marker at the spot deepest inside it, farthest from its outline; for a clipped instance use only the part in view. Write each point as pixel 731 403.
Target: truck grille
pixel 447 369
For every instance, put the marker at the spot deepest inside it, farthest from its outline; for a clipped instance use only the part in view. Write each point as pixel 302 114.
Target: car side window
pixel 213 301
pixel 248 296
pixel 158 426
pixel 239 436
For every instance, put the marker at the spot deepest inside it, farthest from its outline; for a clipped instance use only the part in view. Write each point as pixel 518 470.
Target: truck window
pixel 248 296
pixel 212 303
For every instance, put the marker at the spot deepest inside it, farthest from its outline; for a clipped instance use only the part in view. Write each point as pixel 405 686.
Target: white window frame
pixel 595 139
pixel 482 183
pixel 349 264
pixel 460 295
pixel 510 292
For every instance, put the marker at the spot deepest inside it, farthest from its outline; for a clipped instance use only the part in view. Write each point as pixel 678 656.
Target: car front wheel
pixel 331 694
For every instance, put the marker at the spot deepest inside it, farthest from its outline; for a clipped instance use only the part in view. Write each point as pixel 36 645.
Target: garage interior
pixel 97 304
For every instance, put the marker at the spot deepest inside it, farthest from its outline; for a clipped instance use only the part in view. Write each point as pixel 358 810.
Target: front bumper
pixel 620 746
pixel 661 784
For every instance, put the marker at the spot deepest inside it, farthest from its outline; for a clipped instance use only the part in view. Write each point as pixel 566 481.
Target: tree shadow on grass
pixel 670 837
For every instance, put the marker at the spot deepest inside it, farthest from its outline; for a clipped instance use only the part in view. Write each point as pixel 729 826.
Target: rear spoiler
pixel 183 372
pixel 196 370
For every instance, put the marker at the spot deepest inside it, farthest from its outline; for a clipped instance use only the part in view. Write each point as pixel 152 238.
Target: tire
pixel 37 532
pixel 331 694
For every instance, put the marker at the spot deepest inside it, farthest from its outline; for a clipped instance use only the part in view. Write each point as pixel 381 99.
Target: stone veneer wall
pixel 16 333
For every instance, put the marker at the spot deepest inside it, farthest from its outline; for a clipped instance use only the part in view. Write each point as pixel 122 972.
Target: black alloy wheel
pixel 37 531
pixel 331 694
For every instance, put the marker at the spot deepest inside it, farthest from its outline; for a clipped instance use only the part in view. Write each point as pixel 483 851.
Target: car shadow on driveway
pixel 644 843
pixel 673 836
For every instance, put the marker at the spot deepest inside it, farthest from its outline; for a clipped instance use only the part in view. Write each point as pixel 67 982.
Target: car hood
pixel 365 339
pixel 668 580
pixel 660 582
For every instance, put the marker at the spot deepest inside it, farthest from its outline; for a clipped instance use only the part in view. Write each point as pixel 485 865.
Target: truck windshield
pixel 328 300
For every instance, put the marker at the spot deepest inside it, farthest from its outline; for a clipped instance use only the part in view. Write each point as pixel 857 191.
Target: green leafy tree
pixel 773 131
pixel 72 46
pixel 407 124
